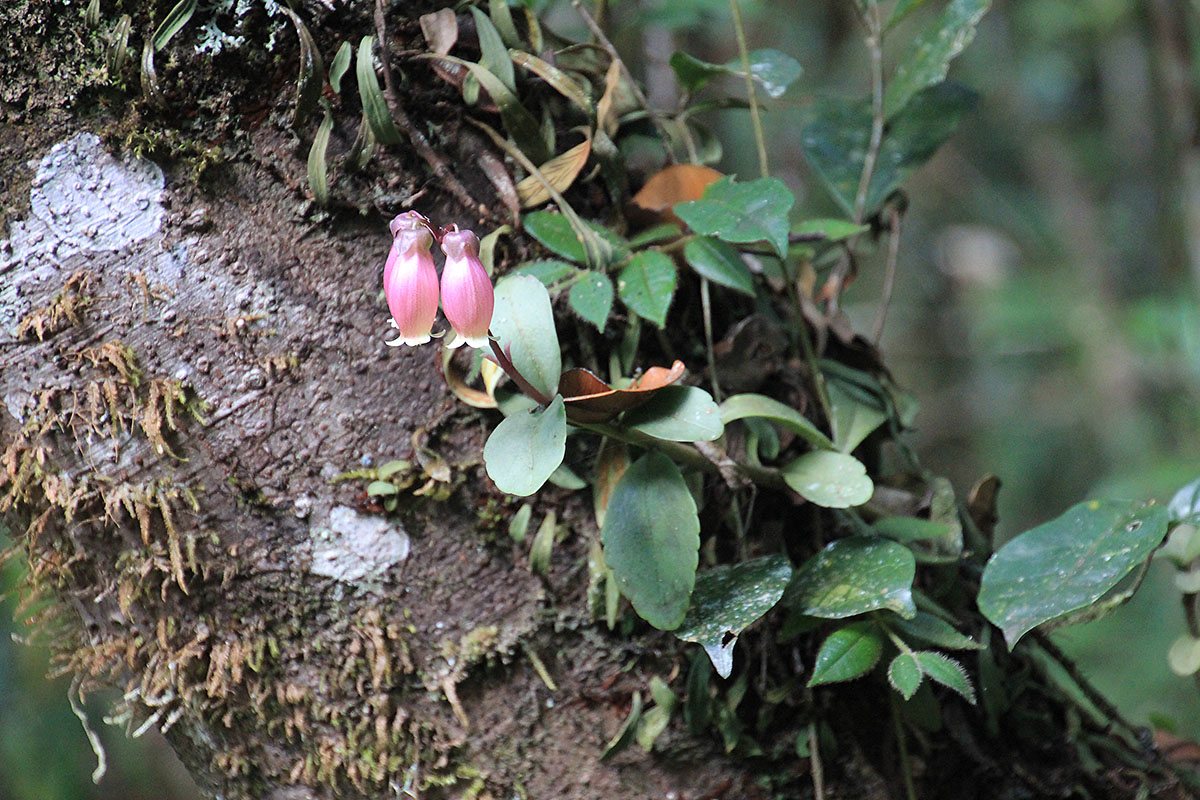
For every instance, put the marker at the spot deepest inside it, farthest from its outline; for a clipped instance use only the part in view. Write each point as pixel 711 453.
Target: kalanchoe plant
pixel 467 294
pixel 410 282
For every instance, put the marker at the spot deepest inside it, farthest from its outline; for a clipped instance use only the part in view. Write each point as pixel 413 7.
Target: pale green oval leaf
pixel 1184 656
pixel 854 576
pixel 904 675
pixel 776 71
pixel 1068 563
pixel 831 480
pixel 523 324
pixel 677 414
pixel 647 284
pixel 947 672
pixel 651 539
pixel 727 600
pixel 381 489
pixel 525 449
pixel 518 526
pixel 846 654
pixel 755 211
pixel 591 297
pixel 741 406
pixel 720 263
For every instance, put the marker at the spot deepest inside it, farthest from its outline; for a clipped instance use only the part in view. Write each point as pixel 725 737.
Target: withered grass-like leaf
pixel 150 91
pixel 440 30
pixel 560 81
pixel 312 71
pixel 560 172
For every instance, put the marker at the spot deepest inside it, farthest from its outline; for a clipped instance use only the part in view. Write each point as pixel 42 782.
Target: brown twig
pixel 439 165
pixel 889 273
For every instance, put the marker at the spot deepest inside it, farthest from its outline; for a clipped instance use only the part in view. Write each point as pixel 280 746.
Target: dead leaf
pixel 440 30
pixel 678 183
pixel 589 399
pixel 560 172
pixel 981 504
pixel 456 380
pixel 606 112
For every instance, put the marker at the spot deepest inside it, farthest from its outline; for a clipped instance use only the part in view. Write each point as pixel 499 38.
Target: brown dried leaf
pixel 678 183
pixel 440 30
pixel 589 399
pixel 560 172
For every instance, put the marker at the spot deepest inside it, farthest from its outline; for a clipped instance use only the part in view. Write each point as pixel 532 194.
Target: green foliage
pixel 853 576
pixel 677 414
pixel 720 263
pixel 727 600
pixel 927 58
pixel 771 68
pixel 651 538
pixel 591 297
pixel 647 284
pixel 739 213
pixel 176 18
pixel 523 324
pixel 1067 563
pixel 847 653
pixel 831 480
pixel 525 449
pixel 375 110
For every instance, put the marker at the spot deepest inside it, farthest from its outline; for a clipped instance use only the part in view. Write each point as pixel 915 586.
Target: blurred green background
pixel 1045 312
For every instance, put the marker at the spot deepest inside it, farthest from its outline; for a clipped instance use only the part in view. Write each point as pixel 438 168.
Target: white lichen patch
pixel 83 203
pixel 355 547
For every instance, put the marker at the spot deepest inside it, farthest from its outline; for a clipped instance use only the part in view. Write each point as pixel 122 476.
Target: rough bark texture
pixel 192 355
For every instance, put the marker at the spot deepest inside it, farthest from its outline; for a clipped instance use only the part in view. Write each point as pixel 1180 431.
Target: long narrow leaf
pixel 374 106
pixel 176 19
pixel 312 71
pixel 318 179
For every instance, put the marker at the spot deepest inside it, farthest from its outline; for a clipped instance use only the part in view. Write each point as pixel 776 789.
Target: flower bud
pixel 467 295
pixel 410 284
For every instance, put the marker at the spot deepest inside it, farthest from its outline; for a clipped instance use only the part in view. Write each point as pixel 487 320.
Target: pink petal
pixel 411 286
pixel 467 295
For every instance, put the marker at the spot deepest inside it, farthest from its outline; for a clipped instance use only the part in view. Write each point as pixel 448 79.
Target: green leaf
pixel 647 284
pixel 519 123
pixel 555 232
pixel 1068 563
pixel 697 708
pixel 543 545
pixel 831 480
pixel 902 9
pixel 311 80
pixel 564 84
pixel 677 414
pixel 566 478
pixel 911 529
pixel 741 406
pixel 720 263
pixel 905 675
pixel 518 526
pixel 391 468
pixel 502 18
pixel 1185 505
pixel 625 735
pixel 493 53
pixel 692 73
pixel 338 67
pixel 830 230
pixel 655 721
pixel 651 538
pixel 656 235
pixel 591 297
pixel 381 489
pixel 318 174
pixel 846 654
pixel 727 600
pixel 776 71
pixel 947 672
pixel 927 58
pixel 525 448
pixel 1184 656
pixel 854 576
pixel 375 108
pixel 173 23
pixel 549 272
pixel 523 324
pixel 755 211
pixel 836 140
pixel 936 631
pixel 853 420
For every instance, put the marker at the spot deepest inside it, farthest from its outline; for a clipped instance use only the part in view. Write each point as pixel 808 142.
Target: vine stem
pixel 902 745
pixel 755 118
pixel 706 309
pixel 889 273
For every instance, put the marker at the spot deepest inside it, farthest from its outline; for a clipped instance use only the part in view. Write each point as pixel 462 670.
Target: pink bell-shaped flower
pixel 410 284
pixel 467 295
pixel 408 221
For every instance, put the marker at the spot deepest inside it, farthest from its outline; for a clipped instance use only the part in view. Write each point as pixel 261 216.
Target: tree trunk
pixel 193 362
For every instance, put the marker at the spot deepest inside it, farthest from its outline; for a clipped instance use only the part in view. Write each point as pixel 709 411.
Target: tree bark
pixel 191 366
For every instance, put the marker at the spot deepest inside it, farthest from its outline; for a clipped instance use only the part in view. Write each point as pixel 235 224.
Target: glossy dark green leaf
pixel 935 631
pixel 656 235
pixel 375 108
pixel 555 232
pixel 176 18
pixel 677 414
pixel 854 576
pixel 743 406
pixel 831 480
pixel 904 675
pixel 651 539
pixel 927 58
pixel 830 230
pixel 339 65
pixel 947 672
pixel 549 272
pixel 523 324
pixel 727 600
pixel 318 172
pixel 525 448
pixel 625 734
pixel 692 73
pixel 902 9
pixel 754 211
pixel 591 297
pixel 311 79
pixel 837 135
pixel 1068 563
pixel 697 709
pixel 493 52
pixel 1185 505
pixel 647 284
pixel 846 654
pixel 774 70
pixel 720 263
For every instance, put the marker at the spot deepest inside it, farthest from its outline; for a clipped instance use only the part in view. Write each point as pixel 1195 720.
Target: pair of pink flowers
pixel 410 283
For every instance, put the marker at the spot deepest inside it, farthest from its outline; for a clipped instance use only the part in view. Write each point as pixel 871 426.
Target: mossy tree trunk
pixel 193 355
